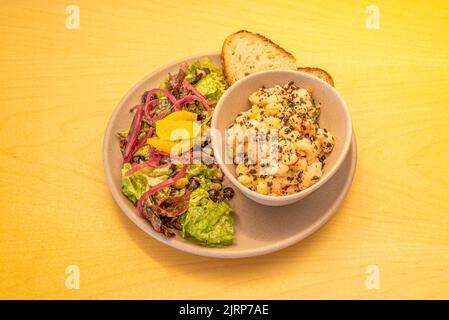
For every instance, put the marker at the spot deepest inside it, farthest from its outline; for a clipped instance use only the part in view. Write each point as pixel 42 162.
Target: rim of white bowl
pixel 298 195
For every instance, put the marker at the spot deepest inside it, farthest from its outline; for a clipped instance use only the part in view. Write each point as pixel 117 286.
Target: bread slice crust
pixel 319 73
pixel 262 38
pixel 231 73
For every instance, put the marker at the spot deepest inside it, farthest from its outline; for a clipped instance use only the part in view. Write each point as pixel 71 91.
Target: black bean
pixel 144 97
pixel 195 81
pixel 203 71
pixel 138 159
pixel 228 193
pixel 214 195
pixel 194 183
pixel 200 117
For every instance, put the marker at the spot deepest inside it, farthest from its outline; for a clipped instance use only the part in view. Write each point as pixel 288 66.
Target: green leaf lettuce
pixel 136 184
pixel 211 223
pixel 212 85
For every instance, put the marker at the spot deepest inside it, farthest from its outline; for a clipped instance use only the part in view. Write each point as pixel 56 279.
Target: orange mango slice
pixel 172 147
pixel 174 130
pixel 181 115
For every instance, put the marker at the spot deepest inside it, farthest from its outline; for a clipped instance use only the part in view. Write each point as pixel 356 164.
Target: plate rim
pixel 205 251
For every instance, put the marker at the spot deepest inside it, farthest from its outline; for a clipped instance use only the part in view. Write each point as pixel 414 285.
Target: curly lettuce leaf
pixel 212 85
pixel 195 170
pixel 211 224
pixel 136 184
pixel 203 63
pixel 143 152
pixel 197 195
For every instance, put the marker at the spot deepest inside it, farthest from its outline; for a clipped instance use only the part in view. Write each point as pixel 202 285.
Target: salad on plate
pixel 168 170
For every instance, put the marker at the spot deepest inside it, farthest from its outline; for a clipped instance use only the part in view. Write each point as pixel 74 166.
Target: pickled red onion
pixel 203 100
pixel 166 93
pixel 143 142
pixel 158 187
pixel 133 133
pixel 158 117
pixel 150 163
pixel 149 106
pixel 181 102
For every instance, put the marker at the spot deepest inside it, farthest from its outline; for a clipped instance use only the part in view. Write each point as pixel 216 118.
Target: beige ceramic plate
pixel 258 229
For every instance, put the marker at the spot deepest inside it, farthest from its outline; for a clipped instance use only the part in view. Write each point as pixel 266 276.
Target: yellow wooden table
pixel 59 85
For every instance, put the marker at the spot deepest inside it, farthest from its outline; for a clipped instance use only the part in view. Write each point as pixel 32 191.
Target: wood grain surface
pixel 58 88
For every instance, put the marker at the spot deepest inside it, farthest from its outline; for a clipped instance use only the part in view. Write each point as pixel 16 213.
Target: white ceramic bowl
pixel 335 117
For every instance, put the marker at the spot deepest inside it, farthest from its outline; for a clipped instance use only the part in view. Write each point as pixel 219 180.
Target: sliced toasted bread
pixel 245 52
pixel 319 73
